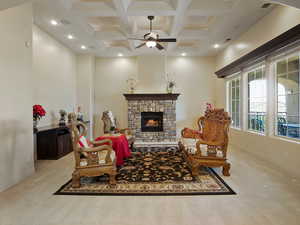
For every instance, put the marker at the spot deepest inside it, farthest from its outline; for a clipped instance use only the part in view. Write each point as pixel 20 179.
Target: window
pixel 257 100
pixel 288 111
pixel 283 96
pixel 234 100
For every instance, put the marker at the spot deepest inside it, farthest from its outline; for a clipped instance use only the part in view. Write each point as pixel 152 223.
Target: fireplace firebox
pixel 152 121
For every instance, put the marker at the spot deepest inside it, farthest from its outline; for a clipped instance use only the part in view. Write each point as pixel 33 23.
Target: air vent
pixel 65 22
pixel 227 40
pixel 266 5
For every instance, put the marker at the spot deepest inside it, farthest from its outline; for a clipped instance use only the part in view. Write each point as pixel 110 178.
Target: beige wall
pixel 110 84
pixel 54 67
pixel 16 137
pixel 279 20
pixel 193 75
pixel 279 153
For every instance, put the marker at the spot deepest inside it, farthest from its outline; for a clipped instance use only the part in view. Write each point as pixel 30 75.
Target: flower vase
pixel 169 90
pixel 35 123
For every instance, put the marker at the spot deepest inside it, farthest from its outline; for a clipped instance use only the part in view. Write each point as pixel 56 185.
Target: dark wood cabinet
pixel 53 142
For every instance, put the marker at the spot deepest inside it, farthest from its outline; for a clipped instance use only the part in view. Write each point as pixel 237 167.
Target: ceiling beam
pixel 124 20
pixel 178 20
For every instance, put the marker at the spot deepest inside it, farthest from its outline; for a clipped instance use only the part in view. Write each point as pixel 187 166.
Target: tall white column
pixel 85 87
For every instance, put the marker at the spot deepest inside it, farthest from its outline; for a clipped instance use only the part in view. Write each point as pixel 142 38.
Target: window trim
pixel 274 67
pixel 253 68
pixel 270 77
pixel 236 76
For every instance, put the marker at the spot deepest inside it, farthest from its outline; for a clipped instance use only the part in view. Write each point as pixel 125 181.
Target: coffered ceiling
pixel 104 26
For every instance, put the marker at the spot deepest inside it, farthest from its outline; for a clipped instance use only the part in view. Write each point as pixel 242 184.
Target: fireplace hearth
pixel 152 121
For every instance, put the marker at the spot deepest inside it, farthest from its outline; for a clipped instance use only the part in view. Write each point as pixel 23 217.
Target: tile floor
pixel 265 197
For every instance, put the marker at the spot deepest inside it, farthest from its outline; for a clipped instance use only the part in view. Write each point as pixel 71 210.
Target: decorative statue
pixel 62 120
pixel 79 114
pixel 110 123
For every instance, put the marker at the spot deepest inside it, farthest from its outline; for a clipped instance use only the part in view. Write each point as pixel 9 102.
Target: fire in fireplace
pixel 152 121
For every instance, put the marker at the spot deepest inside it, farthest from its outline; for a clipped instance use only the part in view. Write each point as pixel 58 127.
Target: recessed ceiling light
pixel 70 36
pixel 83 47
pixel 120 54
pixel 54 22
pixel 183 54
pixel 216 45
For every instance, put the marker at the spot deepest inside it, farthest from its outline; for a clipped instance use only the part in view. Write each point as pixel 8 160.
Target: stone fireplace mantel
pixel 143 104
pixel 152 96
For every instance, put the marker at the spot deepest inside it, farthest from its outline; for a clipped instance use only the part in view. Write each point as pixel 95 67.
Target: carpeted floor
pixel 153 171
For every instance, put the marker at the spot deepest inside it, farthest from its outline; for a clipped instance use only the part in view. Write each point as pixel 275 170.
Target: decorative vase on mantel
pixel 170 87
pixel 131 82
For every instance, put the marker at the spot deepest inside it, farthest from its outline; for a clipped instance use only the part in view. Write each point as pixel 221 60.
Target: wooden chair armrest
pixel 204 142
pixel 190 133
pixel 125 131
pixel 96 149
pixel 100 143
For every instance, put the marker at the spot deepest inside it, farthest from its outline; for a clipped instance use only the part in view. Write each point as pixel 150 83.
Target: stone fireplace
pixel 152 117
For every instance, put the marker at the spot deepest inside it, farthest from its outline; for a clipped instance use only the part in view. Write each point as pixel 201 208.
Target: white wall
pixel 16 134
pixel 54 69
pixel 278 153
pixel 194 77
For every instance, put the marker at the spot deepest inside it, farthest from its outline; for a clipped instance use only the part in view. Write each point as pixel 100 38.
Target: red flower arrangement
pixel 38 112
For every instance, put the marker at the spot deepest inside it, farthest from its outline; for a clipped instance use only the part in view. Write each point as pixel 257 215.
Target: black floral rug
pixel 153 171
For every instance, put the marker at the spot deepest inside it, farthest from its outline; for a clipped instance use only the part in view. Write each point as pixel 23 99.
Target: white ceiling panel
pixel 105 25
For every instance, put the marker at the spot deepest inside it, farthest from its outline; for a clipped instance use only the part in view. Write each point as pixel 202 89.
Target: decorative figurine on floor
pixel 62 120
pixel 38 112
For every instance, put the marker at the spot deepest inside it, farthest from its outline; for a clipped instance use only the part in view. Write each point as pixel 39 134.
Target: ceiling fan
pixel 152 39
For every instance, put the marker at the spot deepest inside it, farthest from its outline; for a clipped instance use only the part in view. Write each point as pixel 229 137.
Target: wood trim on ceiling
pixel 261 52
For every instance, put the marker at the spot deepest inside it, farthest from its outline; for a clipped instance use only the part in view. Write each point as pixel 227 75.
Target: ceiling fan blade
pixel 141 45
pixel 136 39
pixel 159 46
pixel 166 40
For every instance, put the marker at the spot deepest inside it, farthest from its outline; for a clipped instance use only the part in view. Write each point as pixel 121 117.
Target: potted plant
pixel 38 113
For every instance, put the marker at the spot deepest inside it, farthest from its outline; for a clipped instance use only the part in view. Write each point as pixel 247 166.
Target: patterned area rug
pixel 153 171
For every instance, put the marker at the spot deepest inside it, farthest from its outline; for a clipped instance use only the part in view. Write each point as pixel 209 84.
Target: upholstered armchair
pixel 91 158
pixel 110 125
pixel 208 145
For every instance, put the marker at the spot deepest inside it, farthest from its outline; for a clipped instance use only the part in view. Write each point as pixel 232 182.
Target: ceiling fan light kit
pixel 152 39
pixel 150 44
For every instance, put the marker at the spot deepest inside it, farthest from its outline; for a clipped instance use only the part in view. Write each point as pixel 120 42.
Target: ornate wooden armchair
pixel 110 125
pixel 208 145
pixel 91 158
